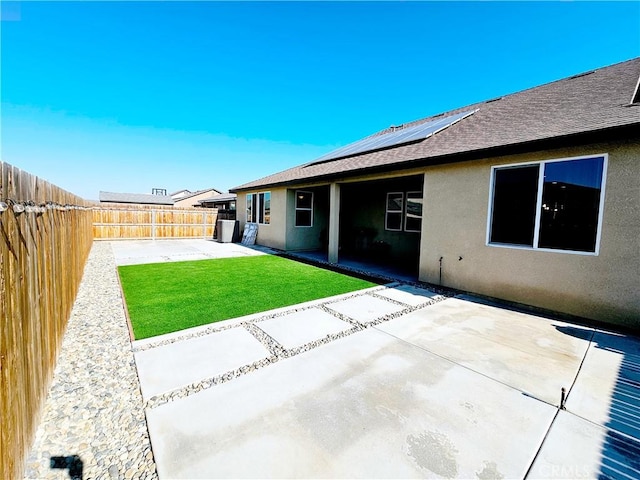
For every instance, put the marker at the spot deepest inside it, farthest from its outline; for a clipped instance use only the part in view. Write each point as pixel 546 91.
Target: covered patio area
pixel 362 265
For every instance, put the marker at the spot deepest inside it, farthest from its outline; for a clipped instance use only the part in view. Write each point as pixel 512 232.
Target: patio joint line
pixel 341 316
pixel 274 347
pixel 559 408
pixel 584 357
pixel 544 439
pixel 527 394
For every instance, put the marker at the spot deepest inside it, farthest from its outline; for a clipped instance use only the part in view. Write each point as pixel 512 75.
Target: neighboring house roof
pixel 139 198
pixel 223 197
pixel 179 193
pixel 599 101
pixel 192 199
pixel 189 194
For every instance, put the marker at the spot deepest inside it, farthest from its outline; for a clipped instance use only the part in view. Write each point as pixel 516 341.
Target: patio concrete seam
pixel 535 456
pixel 605 427
pixel 584 357
pixel 527 394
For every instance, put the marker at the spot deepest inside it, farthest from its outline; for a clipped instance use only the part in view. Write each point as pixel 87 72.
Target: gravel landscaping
pixel 94 409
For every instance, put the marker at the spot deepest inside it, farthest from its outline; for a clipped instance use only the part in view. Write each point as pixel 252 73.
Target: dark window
pixel 567 213
pixel 265 209
pixel 571 204
pixel 304 209
pixel 515 192
pixel 254 208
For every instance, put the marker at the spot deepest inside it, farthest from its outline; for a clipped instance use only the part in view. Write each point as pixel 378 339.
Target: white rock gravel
pixel 94 409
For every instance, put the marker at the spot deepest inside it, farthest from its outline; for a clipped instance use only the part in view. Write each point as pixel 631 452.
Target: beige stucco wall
pixel 271 235
pixel 605 287
pixel 307 238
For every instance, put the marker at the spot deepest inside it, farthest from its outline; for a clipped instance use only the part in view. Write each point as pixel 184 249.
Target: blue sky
pixel 129 96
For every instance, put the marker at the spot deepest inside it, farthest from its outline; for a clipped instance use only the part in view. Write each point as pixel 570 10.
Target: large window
pixel 554 205
pixel 403 210
pixel 304 209
pixel 259 207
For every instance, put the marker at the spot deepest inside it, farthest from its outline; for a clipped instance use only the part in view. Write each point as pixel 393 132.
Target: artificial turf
pixel 167 297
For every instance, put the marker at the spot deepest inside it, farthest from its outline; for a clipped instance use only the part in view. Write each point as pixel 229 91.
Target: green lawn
pixel 167 297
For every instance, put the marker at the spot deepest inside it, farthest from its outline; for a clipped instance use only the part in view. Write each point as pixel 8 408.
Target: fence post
pixel 153 224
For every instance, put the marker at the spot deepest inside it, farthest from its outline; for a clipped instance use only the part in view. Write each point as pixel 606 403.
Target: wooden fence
pixel 45 240
pixel 113 221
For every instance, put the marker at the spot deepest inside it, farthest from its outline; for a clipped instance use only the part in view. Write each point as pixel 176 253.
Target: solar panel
pixel 398 137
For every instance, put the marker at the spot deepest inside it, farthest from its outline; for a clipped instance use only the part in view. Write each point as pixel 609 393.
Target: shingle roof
pixel 139 198
pixel 594 101
pixel 193 194
pixel 222 197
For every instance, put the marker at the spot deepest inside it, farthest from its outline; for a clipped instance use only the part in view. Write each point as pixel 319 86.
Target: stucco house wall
pixel 307 238
pixel 272 234
pixel 602 287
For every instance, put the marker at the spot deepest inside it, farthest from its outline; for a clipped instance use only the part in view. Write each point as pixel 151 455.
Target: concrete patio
pixel 392 382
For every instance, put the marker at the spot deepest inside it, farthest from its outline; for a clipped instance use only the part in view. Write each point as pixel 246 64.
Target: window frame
pixel 303 209
pixel 387 212
pixel 249 207
pixel 262 210
pixel 403 212
pixel 538 212
pixel 406 211
pixel 255 204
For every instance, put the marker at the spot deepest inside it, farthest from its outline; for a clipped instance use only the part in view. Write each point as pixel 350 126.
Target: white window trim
pixel 249 203
pixel 304 209
pixel 259 208
pixel 536 232
pixel 405 202
pixel 387 211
